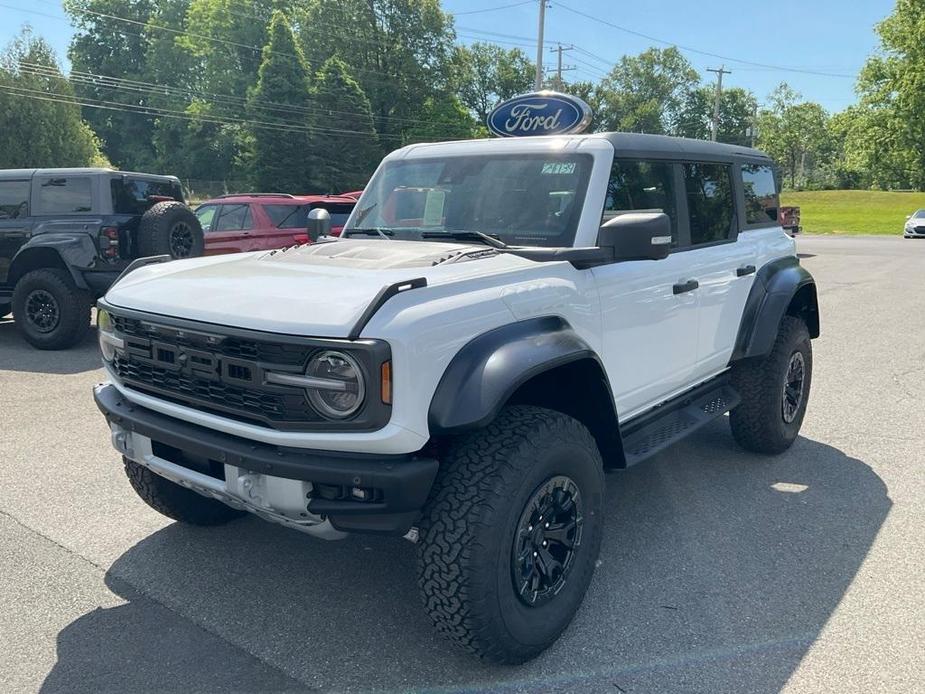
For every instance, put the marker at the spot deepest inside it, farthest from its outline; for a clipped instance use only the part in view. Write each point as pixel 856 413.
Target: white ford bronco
pixel 500 323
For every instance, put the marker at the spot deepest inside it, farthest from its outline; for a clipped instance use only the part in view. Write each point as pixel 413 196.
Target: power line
pixel 695 50
pixel 493 9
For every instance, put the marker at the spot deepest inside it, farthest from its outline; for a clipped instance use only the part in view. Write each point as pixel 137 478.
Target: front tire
pixel 50 311
pixel 177 502
pixel 774 391
pixel 511 534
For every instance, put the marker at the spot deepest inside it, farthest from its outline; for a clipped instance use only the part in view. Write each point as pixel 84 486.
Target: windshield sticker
pixel 433 208
pixel 559 167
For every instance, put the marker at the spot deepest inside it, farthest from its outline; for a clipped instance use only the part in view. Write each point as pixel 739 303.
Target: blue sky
pixel 825 36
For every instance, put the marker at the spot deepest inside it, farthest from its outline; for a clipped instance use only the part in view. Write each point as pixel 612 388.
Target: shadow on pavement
pixel 18 355
pixel 718 571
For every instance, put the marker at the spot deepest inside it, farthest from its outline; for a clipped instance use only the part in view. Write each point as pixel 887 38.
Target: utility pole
pixel 538 84
pixel 559 68
pixel 719 94
pixel 755 125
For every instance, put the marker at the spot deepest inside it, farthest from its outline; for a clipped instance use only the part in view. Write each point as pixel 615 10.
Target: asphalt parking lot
pixel 720 571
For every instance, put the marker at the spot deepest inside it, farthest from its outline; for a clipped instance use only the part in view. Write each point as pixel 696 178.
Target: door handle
pixel 745 270
pixel 687 286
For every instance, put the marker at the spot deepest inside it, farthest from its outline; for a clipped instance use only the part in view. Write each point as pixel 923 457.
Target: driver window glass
pixel 642 186
pixel 206 215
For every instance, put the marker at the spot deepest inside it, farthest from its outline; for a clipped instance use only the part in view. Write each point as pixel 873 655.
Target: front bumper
pixel 314 491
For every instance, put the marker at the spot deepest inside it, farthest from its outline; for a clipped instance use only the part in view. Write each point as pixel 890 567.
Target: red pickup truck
pixel 264 221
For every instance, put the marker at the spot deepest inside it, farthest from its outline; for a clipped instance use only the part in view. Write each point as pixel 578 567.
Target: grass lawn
pixel 854 211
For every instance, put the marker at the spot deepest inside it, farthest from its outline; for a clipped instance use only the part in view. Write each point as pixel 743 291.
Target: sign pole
pixel 538 83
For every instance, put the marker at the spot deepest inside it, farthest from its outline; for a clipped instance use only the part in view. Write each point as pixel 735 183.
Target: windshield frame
pixel 370 199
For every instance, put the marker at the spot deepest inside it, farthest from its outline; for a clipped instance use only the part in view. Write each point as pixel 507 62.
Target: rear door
pixel 15 222
pixel 286 224
pixel 722 266
pixel 227 228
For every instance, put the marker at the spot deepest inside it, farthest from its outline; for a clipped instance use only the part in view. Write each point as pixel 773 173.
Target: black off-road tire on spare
pixel 483 522
pixel 177 502
pixel 170 228
pixel 50 311
pixel 773 404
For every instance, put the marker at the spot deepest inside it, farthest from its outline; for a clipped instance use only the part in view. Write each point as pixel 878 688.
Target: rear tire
pixel 170 228
pixel 175 501
pixel 774 392
pixel 50 311
pixel 487 580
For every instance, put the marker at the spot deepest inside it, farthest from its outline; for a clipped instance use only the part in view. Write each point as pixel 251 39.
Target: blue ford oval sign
pixel 540 113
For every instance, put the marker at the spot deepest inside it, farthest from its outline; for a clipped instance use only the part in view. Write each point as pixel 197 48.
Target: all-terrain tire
pixel 476 517
pixel 759 423
pixel 175 501
pixel 50 311
pixel 170 228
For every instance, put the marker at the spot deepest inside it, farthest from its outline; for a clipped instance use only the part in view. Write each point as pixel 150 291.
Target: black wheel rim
pixel 794 383
pixel 547 539
pixel 181 240
pixel 42 311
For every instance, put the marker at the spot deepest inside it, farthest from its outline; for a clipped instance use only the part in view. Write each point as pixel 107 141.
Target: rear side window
pixel 761 201
pixel 287 216
pixel 642 186
pixel 710 202
pixel 339 212
pixel 14 199
pixel 233 218
pixel 132 195
pixel 63 195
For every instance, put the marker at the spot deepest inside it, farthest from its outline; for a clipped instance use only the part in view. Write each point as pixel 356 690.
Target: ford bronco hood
pixel 319 290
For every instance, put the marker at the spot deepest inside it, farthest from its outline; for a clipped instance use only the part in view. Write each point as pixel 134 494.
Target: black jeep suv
pixel 67 234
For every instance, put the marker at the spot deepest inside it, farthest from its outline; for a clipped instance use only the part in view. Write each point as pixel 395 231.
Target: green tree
pixel 646 93
pixel 443 118
pixel 796 134
pixel 736 120
pixel 400 51
pixel 109 41
pixel 42 125
pixel 489 74
pixel 346 146
pixel 282 143
pixel 892 87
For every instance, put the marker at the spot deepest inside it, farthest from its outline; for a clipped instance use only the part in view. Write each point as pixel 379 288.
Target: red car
pixel 264 221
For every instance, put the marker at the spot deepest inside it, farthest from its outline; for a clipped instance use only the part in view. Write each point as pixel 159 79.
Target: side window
pixel 206 216
pixel 234 218
pixel 14 199
pixel 710 202
pixel 63 194
pixel 287 216
pixel 642 186
pixel 761 201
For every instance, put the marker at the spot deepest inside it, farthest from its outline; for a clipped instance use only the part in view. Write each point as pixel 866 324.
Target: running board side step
pixel 646 435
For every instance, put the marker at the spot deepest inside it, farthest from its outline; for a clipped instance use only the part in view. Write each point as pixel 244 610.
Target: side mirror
pixel 319 223
pixel 908 216
pixel 637 236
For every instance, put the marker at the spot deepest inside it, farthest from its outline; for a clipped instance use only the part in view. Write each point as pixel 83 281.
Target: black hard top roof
pixel 665 147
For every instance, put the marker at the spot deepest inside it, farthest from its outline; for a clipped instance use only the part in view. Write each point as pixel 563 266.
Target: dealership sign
pixel 540 113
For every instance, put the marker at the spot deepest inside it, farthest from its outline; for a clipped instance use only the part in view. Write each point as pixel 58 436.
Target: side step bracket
pixel 646 435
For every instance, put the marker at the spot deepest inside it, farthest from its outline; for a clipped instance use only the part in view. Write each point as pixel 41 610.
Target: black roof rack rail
pixel 255 195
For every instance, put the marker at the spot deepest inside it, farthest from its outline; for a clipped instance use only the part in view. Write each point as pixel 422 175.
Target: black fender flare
pixel 484 374
pixel 774 289
pixel 76 251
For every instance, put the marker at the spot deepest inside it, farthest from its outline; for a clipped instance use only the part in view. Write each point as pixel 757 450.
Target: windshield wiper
pixel 387 234
pixel 465 236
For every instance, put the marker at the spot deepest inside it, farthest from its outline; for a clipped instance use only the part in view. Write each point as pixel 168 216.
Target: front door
pixel 649 308
pixel 15 222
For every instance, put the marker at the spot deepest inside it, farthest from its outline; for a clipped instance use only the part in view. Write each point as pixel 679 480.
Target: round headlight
pixel 344 391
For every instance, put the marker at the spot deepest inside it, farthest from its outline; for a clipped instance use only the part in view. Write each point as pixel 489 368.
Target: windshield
pixel 521 199
pixel 920 214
